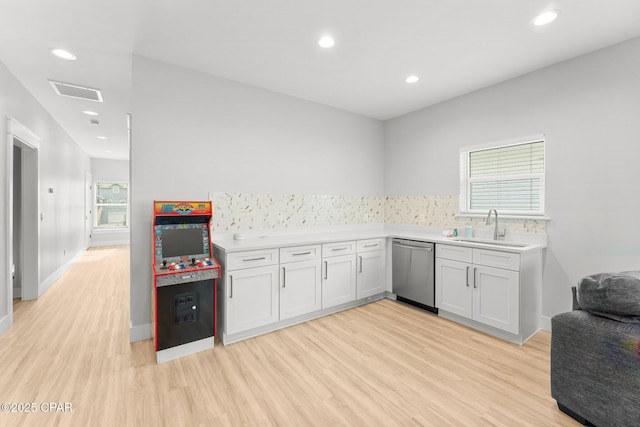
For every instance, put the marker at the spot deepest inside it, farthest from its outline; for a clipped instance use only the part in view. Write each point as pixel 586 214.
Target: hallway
pixel 69 345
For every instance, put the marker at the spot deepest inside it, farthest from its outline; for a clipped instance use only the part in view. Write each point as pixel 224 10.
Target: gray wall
pixel 17 223
pixel 193 134
pixel 589 110
pixel 62 167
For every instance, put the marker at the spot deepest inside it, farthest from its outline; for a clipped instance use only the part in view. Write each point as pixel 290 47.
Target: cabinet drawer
pixel 300 253
pixel 251 259
pixel 338 248
pixel 455 253
pixel 369 245
pixel 490 258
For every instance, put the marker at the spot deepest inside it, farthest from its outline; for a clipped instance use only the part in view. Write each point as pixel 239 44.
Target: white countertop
pixel 284 239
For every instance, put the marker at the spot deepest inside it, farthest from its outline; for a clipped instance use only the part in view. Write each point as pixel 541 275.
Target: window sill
pixel 504 216
pixel 99 230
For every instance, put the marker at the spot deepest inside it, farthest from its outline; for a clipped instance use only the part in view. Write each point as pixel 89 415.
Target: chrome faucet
pixel 496 233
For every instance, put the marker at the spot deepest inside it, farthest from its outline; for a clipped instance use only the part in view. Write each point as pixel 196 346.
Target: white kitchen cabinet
pixel 251 298
pixel 469 285
pixel 300 281
pixel 496 298
pixel 453 292
pixel 339 273
pixel 248 291
pixel 371 262
pixel 267 289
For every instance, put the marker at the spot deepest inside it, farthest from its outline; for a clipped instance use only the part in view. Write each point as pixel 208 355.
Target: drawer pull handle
pixel 302 253
pixel 339 249
pixel 254 259
pixel 373 245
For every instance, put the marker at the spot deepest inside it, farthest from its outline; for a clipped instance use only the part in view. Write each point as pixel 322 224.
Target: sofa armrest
pixel 595 367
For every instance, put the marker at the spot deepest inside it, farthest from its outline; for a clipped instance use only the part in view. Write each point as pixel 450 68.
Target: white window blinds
pixel 507 177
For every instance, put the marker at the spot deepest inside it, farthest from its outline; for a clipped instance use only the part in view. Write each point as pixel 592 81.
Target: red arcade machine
pixel 184 279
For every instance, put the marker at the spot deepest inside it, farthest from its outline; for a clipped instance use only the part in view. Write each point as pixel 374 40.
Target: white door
pixel 370 280
pixel 453 287
pixel 339 280
pixel 496 298
pixel 252 298
pixel 300 288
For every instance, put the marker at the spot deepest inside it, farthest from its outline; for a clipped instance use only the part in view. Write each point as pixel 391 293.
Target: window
pixel 507 176
pixel 112 204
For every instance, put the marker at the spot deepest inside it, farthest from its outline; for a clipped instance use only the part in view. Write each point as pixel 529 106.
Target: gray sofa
pixel 595 352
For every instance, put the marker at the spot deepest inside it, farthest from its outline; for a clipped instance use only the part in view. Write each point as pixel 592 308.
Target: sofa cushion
pixel 612 295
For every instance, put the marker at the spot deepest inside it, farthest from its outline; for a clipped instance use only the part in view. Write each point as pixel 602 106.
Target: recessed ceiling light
pixel 90 113
pixel 101 137
pixel 326 42
pixel 412 79
pixel 545 18
pixel 108 151
pixel 64 54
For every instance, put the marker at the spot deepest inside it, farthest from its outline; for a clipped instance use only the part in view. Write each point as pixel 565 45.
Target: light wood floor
pixel 383 364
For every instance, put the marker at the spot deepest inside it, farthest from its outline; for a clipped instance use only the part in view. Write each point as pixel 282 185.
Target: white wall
pixel 589 110
pixel 62 167
pixel 109 170
pixel 115 171
pixel 193 134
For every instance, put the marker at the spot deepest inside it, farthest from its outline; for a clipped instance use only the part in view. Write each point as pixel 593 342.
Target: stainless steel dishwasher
pixel 414 273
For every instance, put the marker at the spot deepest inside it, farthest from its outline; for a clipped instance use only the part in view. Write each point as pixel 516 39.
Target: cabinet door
pixel 252 298
pixel 453 289
pixel 300 288
pixel 496 298
pixel 339 280
pixel 370 279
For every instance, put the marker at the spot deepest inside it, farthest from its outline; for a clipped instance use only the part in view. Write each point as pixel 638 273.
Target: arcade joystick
pixel 193 261
pixel 164 263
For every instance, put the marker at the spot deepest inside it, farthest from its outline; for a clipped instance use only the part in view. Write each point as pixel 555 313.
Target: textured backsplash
pixel 246 211
pixel 441 211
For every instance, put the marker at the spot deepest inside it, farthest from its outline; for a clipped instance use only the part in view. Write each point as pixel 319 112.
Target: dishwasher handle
pixel 420 248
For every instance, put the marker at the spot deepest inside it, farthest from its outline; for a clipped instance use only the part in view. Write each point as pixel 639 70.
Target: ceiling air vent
pixel 75 91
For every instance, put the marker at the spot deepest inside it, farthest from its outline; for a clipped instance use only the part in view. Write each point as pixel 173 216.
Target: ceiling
pixel 454 46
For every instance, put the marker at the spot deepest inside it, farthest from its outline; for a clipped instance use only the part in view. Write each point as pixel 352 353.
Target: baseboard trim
pixel 545 323
pixel 53 277
pixel 110 243
pixel 5 324
pixel 140 333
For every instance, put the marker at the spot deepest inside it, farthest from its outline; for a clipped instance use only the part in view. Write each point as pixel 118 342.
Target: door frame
pixel 88 209
pixel 18 134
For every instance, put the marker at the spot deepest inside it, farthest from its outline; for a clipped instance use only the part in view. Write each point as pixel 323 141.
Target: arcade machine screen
pixel 178 242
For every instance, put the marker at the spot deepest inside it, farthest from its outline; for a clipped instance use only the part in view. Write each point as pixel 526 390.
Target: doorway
pixel 23 219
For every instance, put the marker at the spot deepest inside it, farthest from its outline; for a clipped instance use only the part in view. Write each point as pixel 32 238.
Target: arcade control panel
pixel 186 271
